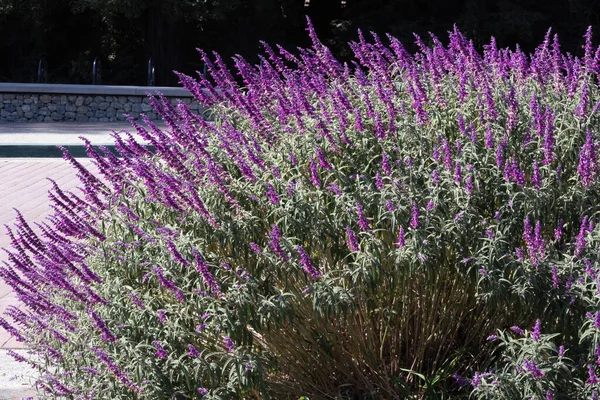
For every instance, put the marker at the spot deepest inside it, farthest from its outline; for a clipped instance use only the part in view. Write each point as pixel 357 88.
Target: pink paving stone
pixel 24 185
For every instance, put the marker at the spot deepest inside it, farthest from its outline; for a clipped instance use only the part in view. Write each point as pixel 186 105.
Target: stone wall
pixel 81 103
pixel 29 107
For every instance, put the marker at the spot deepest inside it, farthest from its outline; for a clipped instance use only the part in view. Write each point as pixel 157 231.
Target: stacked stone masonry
pixel 51 107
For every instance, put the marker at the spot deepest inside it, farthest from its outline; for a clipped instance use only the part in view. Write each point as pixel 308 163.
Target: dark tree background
pixel 123 34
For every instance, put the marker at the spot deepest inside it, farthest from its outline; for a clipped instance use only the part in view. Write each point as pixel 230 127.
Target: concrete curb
pixel 100 90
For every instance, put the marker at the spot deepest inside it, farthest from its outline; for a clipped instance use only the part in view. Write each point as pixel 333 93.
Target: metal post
pixel 42 70
pixel 97 72
pixel 151 73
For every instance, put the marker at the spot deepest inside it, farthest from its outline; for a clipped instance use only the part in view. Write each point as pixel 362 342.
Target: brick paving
pixel 24 185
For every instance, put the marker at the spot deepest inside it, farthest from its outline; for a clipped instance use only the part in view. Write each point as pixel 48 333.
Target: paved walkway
pixel 24 185
pixel 65 133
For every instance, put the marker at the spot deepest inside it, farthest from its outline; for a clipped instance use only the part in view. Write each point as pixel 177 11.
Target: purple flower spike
pixel 272 194
pixel 555 280
pixel 536 178
pixel 580 241
pixel 517 330
pixel 160 351
pixel 587 168
pixel 351 240
pixel 401 238
pixel 228 344
pixel 314 174
pixel 161 316
pixel 207 277
pixel 306 264
pixel 193 352
pixel 536 331
pixel 255 248
pixel 275 243
pixel 414 222
pixel 362 220
pixel 592 378
pixel 385 164
pixel 106 334
pixel 558 232
pixel 532 367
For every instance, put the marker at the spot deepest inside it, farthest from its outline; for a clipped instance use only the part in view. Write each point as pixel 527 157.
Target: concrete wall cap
pixel 55 88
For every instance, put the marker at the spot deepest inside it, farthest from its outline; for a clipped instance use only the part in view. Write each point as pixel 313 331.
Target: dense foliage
pixel 408 226
pixel 124 34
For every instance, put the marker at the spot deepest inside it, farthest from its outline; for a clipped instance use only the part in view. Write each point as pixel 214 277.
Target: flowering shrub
pixel 371 230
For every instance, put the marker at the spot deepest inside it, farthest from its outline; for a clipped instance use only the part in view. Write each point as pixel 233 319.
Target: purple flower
pixel 106 334
pixel 335 189
pixel 323 163
pixel 389 205
pixel 549 395
pixel 476 381
pixel 555 280
pixel 275 243
pixel 161 316
pixel 587 168
pixel 536 178
pixel 429 206
pixel 362 220
pixel 168 284
pixel 459 380
pixel 112 367
pixel 517 330
pixel 307 266
pixel 351 240
pixel 489 137
pixel 378 181
pixel 401 238
pixel 292 158
pixel 492 337
pixel 385 164
pixel 314 174
pixel 272 194
pixel 435 177
pixel 469 187
pixel 202 391
pixel 580 240
pixel 414 222
pixel 536 331
pixel 228 344
pixel 255 248
pixel 561 351
pixel 457 173
pixel 192 351
pixel 136 300
pixel 532 367
pixel 207 277
pixel 497 216
pixel 559 230
pixel 519 253
pixel 592 378
pixel 160 351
